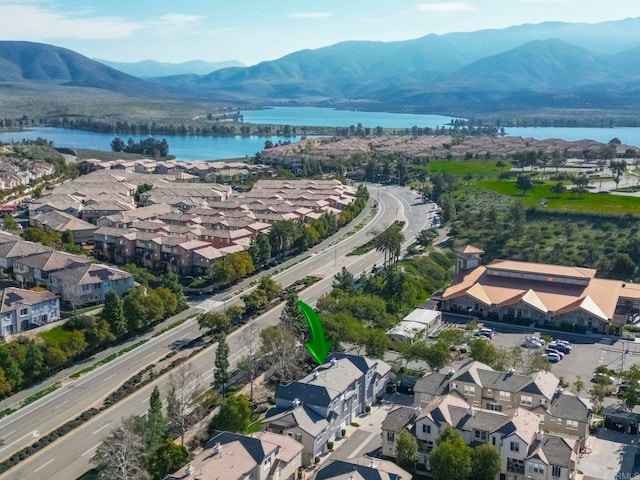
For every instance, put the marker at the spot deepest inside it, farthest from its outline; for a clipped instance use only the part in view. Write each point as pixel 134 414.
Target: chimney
pixel 450 372
pixel 333 361
pixel 295 403
pixel 512 371
pixel 217 449
pixel 540 436
pixel 470 412
pixel 315 374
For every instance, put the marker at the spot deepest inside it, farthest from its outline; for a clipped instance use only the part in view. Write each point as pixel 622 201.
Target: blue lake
pixel 217 148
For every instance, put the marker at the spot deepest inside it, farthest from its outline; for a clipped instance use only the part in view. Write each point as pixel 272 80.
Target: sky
pixel 252 31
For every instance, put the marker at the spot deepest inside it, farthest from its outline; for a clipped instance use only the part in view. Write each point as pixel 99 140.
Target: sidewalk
pixel 14 400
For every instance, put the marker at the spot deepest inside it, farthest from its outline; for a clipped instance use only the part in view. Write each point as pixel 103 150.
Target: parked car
pixel 487 331
pixel 552 357
pixel 561 347
pixel 603 378
pixel 566 343
pixel 537 340
pixel 554 351
pixel 528 343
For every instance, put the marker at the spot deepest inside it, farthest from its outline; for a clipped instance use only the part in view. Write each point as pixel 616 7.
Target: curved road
pixel 69 456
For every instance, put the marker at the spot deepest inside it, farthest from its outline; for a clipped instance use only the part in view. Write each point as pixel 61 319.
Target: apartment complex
pixel 315 409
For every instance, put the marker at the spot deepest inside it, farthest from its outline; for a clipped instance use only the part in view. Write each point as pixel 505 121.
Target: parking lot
pixel 585 356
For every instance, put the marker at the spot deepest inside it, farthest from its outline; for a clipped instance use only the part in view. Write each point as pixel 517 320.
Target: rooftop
pixel 12 298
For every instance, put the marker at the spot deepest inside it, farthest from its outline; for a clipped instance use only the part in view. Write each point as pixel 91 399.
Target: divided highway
pixel 69 456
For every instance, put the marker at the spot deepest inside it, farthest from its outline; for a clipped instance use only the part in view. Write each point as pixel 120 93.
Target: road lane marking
pixel 91 449
pixel 61 405
pixel 102 427
pixel 33 433
pixel 150 355
pixel 10 433
pixel 146 400
pixel 105 379
pixel 42 466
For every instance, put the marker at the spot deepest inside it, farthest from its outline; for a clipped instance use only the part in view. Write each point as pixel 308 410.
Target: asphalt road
pixel 69 456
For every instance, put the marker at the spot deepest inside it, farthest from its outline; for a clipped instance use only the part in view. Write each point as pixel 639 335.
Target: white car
pixel 552 357
pixel 554 351
pixel 527 343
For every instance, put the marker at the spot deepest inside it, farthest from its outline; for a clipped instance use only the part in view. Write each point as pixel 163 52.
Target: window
pixel 514 447
pixel 23 311
pixel 541 418
pixel 469 390
pixel 494 407
pixel 555 471
pixel 298 437
pixel 480 435
pixel 391 436
pixel 526 400
pixel 572 425
pixel 489 392
pixel 426 428
pixel 505 396
pixel 536 468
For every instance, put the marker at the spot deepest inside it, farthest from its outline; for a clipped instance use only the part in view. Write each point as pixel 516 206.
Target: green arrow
pixel 319 346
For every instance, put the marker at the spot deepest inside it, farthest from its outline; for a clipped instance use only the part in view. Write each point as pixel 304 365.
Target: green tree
pixel 524 183
pixel 168 458
pixel 5 386
pixel 234 415
pixel 221 365
pixel 425 237
pixel 9 223
pixel 153 424
pixel 631 396
pixel 216 322
pixel 451 337
pixel 270 287
pixel 376 343
pixel 232 267
pixel 67 237
pixel 485 462
pixel 182 397
pixel 436 356
pixel 260 250
pixel 406 450
pixel 451 457
pixel 558 189
pixel 235 313
pixel 168 300
pixel 34 361
pixel 255 300
pixel 133 307
pixel 344 281
pixel 113 313
pixel 12 371
pixel 294 320
pixel 171 281
pixel 483 351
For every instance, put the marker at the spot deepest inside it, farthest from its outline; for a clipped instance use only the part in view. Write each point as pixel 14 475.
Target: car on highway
pixel 552 357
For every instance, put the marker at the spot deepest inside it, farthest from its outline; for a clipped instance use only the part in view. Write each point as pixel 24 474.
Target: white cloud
pixel 178 20
pixel 39 23
pixel 310 14
pixel 446 7
pixel 30 22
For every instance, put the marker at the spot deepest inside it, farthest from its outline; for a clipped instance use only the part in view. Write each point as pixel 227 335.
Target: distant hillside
pixel 27 62
pixel 149 69
pixel 545 57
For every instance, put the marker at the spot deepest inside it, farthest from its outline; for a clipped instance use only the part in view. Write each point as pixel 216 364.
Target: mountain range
pixel 550 64
pixel 149 69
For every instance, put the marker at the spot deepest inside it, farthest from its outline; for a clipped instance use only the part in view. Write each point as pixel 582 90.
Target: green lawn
pixel 598 203
pixel 56 336
pixel 484 168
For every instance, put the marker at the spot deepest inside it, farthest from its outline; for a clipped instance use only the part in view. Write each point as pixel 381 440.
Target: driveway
pixel 613 456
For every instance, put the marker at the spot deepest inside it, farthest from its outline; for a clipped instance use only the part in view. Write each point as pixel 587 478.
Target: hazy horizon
pixel 122 31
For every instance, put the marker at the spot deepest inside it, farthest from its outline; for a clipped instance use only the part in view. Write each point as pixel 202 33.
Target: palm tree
pixel 390 243
pixel 280 235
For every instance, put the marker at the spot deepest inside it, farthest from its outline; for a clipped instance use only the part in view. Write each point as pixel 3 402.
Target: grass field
pixel 599 203
pixel 477 168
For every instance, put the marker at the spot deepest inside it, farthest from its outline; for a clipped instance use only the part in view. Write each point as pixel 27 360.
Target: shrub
pixel 330 446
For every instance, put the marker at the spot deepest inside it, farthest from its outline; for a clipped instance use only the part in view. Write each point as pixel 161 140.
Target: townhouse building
pixel 233 456
pixel 80 285
pixel 315 409
pixel 36 270
pixel 480 386
pixel 22 310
